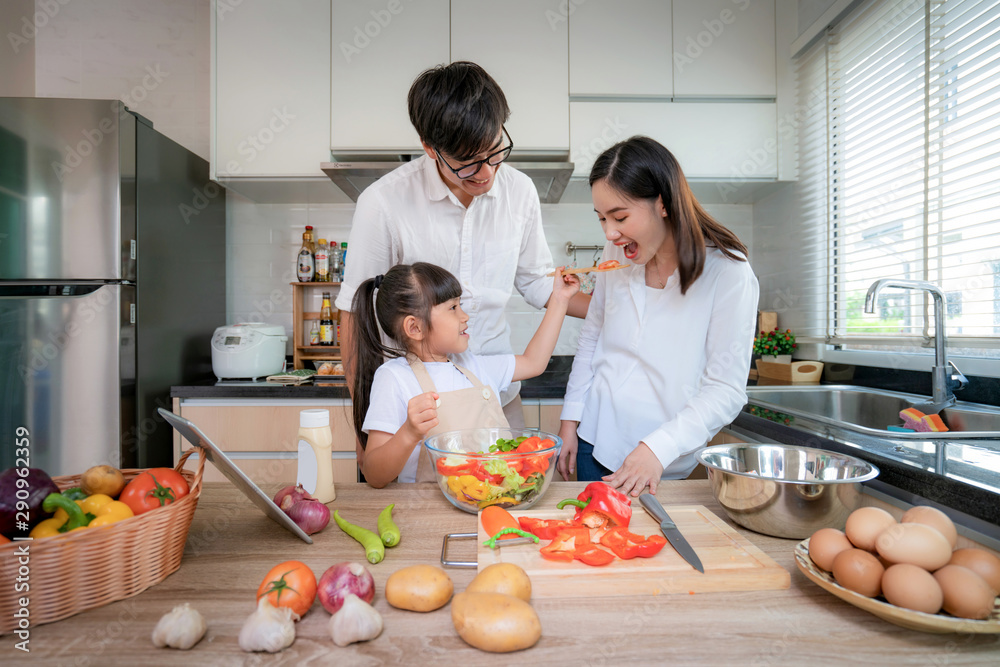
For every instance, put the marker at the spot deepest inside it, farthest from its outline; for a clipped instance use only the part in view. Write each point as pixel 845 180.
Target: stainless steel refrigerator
pixel 112 281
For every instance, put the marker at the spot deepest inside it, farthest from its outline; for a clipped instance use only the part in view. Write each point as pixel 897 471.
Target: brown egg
pixel 865 524
pixel 859 571
pixel 966 595
pixel 914 543
pixel 825 544
pixel 982 562
pixel 912 587
pixel 935 518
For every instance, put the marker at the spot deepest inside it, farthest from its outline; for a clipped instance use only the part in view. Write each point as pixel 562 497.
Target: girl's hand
pixel 640 469
pixel 421 414
pixel 563 286
pixel 566 465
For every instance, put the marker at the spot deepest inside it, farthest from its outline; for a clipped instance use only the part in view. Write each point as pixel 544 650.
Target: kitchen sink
pixel 870 411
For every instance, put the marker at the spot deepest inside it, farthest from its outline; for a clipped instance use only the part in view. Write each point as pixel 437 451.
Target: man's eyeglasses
pixel 469 170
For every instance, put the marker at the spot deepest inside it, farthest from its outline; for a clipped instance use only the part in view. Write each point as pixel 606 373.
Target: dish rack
pixel 121 559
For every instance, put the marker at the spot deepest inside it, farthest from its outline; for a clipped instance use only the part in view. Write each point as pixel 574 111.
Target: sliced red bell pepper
pixel 591 554
pixel 547 529
pixel 564 545
pixel 628 545
pixel 466 467
pixel 535 463
pixel 599 505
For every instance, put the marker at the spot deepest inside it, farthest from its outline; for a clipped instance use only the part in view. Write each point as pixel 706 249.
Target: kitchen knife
pixel 669 528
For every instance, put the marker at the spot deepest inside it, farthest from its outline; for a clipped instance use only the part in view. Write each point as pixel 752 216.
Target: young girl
pixel 420 392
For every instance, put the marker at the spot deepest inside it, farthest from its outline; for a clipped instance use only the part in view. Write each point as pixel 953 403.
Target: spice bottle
pixel 322 262
pixel 315 443
pixel 326 321
pixel 304 264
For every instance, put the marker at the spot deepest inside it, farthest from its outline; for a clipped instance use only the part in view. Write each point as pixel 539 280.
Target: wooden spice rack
pixel 302 354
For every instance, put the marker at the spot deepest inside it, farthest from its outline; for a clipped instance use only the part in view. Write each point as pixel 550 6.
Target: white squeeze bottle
pixel 315 454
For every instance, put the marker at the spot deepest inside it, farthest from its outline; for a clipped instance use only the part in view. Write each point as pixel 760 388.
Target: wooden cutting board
pixel 731 562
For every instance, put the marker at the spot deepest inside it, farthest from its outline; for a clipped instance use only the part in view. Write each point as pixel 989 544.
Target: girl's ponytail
pixel 367 354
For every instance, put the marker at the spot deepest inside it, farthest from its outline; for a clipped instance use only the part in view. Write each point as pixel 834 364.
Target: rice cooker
pixel 248 350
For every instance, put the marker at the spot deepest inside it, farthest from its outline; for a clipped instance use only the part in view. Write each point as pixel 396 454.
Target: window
pixel 909 181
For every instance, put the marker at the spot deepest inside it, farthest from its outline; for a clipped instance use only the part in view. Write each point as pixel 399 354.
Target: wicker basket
pixel 90 568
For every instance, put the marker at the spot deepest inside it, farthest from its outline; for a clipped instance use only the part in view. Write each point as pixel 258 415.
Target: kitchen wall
pixel 151 54
pixel 154 55
pixel 263 240
pixel 18 25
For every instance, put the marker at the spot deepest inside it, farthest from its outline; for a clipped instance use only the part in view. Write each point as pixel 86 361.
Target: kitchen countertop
pixel 231 545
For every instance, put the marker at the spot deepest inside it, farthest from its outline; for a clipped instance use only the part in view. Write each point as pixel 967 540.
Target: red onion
pixel 340 581
pixel 290 495
pixel 310 515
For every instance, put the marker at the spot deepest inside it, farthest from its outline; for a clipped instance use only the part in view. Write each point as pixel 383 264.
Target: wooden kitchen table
pixel 232 545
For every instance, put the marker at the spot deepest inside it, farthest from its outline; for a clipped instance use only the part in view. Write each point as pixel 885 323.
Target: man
pixel 457 206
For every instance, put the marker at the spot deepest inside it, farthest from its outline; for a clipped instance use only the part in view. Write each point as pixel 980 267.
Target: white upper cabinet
pixel 711 140
pixel 271 91
pixel 724 48
pixel 379 48
pixel 523 44
pixel 621 47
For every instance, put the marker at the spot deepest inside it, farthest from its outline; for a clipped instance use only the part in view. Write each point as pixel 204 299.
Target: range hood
pixel 550 173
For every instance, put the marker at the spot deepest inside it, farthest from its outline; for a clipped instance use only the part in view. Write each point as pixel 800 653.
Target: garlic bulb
pixel 181 627
pixel 268 629
pixel 355 621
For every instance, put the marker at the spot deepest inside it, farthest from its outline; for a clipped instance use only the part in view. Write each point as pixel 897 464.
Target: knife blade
pixel 669 529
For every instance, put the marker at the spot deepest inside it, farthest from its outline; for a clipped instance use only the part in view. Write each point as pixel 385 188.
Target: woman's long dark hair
pixel 406 289
pixel 641 168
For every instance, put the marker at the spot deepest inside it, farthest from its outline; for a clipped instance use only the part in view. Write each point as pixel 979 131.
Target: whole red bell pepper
pixel 600 506
pixel 628 545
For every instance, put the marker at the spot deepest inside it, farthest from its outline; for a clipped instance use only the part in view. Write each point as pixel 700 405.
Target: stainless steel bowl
pixel 785 491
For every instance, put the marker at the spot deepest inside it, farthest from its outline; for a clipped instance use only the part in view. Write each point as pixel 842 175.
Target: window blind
pixel 911 128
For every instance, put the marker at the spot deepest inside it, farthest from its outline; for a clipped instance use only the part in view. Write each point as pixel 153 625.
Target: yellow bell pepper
pixel 467 486
pixel 47 528
pixel 93 504
pixel 111 512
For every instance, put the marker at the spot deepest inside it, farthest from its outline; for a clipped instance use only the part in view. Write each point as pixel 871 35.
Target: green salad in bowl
pixel 477 468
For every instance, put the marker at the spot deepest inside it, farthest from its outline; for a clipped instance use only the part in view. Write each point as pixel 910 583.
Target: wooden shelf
pixel 300 319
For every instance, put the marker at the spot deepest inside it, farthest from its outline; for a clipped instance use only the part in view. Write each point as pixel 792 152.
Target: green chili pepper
pixel 374 549
pixel 572 501
pixel 77 518
pixel 492 542
pixel 387 529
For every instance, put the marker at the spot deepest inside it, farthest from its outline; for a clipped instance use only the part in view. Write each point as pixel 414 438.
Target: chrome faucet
pixel 945 376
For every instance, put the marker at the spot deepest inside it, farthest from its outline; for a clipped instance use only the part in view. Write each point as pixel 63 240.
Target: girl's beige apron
pixel 474 407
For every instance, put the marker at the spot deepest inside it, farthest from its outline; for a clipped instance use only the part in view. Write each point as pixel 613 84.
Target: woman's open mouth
pixel 631 250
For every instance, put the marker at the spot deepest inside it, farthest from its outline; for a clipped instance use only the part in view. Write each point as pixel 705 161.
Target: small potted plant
pixel 775 346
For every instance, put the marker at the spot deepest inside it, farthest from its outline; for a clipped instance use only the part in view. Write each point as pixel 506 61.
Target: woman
pixel 663 357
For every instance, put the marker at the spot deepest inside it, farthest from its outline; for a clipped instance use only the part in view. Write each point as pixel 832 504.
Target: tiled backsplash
pixel 263 240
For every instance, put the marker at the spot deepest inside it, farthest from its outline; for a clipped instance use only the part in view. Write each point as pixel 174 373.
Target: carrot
pixel 495 519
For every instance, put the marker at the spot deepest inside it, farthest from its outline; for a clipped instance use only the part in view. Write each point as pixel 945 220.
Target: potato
pixel 102 479
pixel 419 588
pixel 495 622
pixel 505 578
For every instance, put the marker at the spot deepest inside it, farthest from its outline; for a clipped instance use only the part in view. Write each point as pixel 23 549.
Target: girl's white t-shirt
pixel 395 384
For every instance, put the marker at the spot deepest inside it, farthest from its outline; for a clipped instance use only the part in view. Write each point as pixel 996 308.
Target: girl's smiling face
pixel 448 330
pixel 637 225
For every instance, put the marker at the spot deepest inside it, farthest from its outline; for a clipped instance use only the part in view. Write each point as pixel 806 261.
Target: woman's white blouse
pixel 662 368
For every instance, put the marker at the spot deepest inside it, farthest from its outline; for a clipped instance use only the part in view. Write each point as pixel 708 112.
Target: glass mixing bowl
pixel 472 477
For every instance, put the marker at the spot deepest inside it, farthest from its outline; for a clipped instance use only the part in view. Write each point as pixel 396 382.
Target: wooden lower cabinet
pixel 259 435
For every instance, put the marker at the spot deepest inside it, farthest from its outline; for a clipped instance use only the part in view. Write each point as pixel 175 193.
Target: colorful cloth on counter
pixel 295 377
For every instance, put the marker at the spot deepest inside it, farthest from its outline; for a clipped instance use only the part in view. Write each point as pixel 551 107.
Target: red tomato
pixel 290 584
pixel 610 264
pixel 154 488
